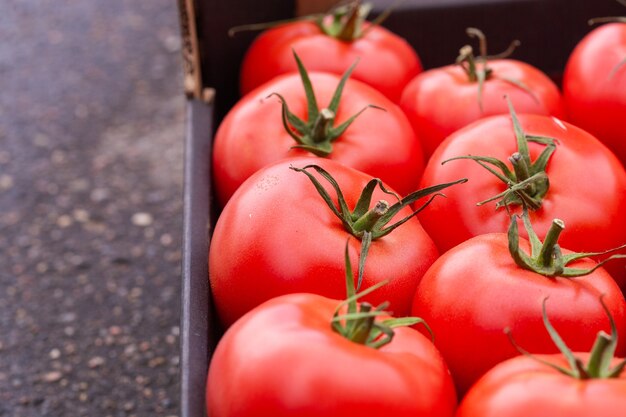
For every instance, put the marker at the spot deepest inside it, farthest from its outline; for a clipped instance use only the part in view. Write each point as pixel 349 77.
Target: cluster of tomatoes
pixel 344 155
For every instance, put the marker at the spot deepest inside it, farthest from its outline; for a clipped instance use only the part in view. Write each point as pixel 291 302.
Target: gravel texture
pixel 91 137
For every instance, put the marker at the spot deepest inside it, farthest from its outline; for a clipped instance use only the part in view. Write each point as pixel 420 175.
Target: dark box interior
pixel 548 30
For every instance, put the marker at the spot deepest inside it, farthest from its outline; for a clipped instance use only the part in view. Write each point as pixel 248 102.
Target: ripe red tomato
pixel 475 291
pixel 594 86
pixel 572 384
pixel 476 87
pixel 277 236
pixel 586 186
pixel 283 359
pixel 380 143
pixel 440 101
pixel 523 387
pixel 386 61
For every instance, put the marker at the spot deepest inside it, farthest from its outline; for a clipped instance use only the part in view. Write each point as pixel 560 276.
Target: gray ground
pixel 91 131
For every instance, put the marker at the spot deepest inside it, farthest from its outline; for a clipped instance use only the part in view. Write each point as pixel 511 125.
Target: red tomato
pixel 380 143
pixel 594 86
pixel 475 291
pixel 386 61
pixel 440 101
pixel 586 189
pixel 277 236
pixel 283 359
pixel 523 387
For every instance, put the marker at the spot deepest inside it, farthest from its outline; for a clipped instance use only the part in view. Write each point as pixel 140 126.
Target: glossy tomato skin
pixel 475 291
pixel 523 387
pixel 380 143
pixel 283 359
pixel 587 184
pixel 277 236
pixel 594 86
pixel 385 61
pixel 440 101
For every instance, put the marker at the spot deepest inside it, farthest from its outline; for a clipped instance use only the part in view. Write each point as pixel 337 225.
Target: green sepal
pixel 602 353
pixel 573 362
pixel 546 258
pixel 482 77
pixel 526 353
pixel 290 120
pixel 334 133
pixel 520 135
pixel 366 242
pixel 365 222
pixel 317 134
pixel 506 176
pixel 521 85
pixel 349 218
pixel 348 20
pixel 516 193
pixel 527 183
pixel 477 68
pixel 321 149
pixel 312 107
pixel 359 323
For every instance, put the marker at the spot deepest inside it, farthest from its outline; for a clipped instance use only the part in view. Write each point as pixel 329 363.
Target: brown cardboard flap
pixel 190 49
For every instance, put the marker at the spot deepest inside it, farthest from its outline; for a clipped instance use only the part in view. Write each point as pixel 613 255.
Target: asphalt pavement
pixel 91 145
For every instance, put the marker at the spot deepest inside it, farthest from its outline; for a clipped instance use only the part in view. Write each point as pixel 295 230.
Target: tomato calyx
pixel 359 323
pixel 317 134
pixel 477 68
pixel 363 222
pixel 602 353
pixel 528 182
pixel 546 258
pixel 344 22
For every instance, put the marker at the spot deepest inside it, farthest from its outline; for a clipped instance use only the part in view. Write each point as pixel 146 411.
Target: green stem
pixel 601 353
pixel 466 56
pixel 362 327
pixel 520 167
pixel 522 173
pixel 482 40
pixel 547 253
pixel 322 125
pixel 369 219
pixel 352 27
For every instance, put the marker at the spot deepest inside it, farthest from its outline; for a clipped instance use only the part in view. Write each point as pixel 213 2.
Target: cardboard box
pixel 548 30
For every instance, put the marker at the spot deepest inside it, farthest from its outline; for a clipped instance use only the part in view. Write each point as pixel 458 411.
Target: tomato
pixel 594 86
pixel 586 186
pixel 440 101
pixel 475 291
pixel 277 235
pixel 283 359
pixel 568 384
pixel 522 387
pixel 386 61
pixel 378 142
